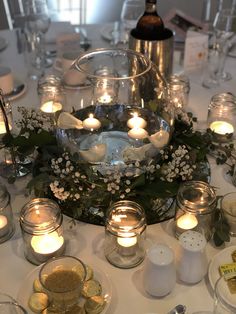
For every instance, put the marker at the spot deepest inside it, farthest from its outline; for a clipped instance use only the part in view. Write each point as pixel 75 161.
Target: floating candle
pixel 222 127
pixel 138 133
pixel 91 123
pixel 160 138
pixel 4 228
pixel 95 153
pixel 51 107
pixel 136 122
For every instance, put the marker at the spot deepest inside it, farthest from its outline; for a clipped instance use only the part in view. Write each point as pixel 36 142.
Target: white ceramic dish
pixel 3 43
pixel 223 257
pixel 26 288
pixel 19 89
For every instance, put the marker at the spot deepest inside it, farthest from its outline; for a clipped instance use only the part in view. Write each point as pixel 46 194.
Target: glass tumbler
pixel 7 227
pixel 228 205
pixel 224 300
pixel 62 278
pixel 8 305
pixel 178 90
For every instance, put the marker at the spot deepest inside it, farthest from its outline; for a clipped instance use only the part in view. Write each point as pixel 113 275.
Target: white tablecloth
pixel 86 241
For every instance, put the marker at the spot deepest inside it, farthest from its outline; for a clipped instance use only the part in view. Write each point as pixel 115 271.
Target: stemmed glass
pixel 37 24
pixel 130 12
pixel 224 26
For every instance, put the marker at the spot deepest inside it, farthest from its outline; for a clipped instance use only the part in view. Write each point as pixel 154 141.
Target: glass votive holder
pixel 178 90
pixel 41 225
pixel 8 305
pixel 228 205
pixel 8 112
pixel 7 227
pixel 52 95
pixel 196 203
pixel 62 279
pixel 125 234
pixel 221 118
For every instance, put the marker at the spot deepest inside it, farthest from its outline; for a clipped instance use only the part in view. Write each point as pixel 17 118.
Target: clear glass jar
pixel 195 206
pixel 8 111
pixel 7 227
pixel 52 94
pixel 222 117
pixel 125 234
pixel 178 90
pixel 41 225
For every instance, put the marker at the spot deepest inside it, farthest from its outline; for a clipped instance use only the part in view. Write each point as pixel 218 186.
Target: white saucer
pixel 26 288
pixel 3 43
pixel 18 90
pixel 223 257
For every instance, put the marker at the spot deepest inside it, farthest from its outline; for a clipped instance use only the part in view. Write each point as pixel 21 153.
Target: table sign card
pixel 196 50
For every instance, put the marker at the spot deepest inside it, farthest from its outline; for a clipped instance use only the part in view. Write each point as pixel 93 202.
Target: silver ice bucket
pixel 159 51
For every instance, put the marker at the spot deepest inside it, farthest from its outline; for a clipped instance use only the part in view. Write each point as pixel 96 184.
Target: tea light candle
pixel 127 242
pixel 91 123
pixel 127 245
pixel 159 139
pixel 4 228
pixel 47 244
pixel 186 222
pixel 222 127
pixel 138 133
pixel 136 122
pixel 105 99
pixel 51 107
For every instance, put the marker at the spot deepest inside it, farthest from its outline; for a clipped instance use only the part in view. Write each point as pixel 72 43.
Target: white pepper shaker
pixel 159 275
pixel 192 262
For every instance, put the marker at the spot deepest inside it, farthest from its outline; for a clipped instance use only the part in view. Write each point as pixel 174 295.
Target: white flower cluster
pixel 182 115
pixel 179 165
pixel 33 120
pixel 58 191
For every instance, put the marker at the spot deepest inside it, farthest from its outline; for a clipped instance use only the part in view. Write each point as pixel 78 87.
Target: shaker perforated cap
pixel 192 241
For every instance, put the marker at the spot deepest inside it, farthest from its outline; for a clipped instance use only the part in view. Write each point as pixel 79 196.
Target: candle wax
pixel 187 222
pixel 48 243
pixel 91 123
pixel 222 127
pixel 51 107
pixel 127 242
pixel 136 122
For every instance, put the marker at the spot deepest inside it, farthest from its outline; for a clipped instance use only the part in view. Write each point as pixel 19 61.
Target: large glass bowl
pixel 117 96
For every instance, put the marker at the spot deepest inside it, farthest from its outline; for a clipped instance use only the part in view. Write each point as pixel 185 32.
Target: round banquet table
pixel 86 241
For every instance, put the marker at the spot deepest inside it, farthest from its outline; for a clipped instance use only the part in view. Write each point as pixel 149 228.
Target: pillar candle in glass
pixel 228 205
pixel 6 217
pixel 222 117
pixel 196 202
pixel 41 224
pixel 125 234
pixel 178 90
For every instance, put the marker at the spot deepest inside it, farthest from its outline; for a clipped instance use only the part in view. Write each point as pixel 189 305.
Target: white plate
pixel 16 94
pixel 223 257
pixel 26 288
pixel 3 43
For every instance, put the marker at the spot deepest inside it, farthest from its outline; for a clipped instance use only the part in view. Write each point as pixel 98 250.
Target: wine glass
pixel 37 24
pixel 130 12
pixel 224 32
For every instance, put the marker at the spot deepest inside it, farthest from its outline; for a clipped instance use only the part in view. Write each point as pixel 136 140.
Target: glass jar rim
pixel 4 197
pixel 204 207
pixel 53 259
pixel 134 229
pixel 223 199
pixel 120 51
pixel 40 228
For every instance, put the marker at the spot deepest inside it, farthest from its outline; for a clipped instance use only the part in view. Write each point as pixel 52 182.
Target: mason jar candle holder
pixel 7 227
pixel 196 203
pixel 125 234
pixel 41 225
pixel 178 90
pixel 228 205
pixel 221 118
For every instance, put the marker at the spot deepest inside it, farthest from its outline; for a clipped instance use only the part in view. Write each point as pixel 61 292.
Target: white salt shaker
pixel 192 262
pixel 159 275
